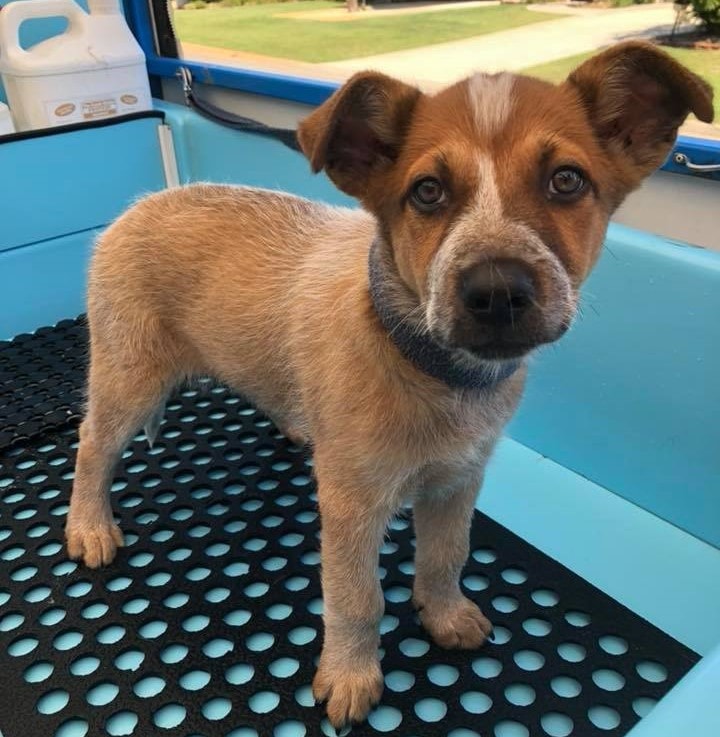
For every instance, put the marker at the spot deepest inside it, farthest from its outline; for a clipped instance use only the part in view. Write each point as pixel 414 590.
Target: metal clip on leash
pixel 231 120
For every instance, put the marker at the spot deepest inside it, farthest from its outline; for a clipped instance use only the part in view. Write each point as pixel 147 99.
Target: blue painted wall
pixel 69 182
pixel 62 190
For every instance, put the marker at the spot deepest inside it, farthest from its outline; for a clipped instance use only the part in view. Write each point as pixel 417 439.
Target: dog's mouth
pixel 500 351
pixel 498 345
pixel 496 350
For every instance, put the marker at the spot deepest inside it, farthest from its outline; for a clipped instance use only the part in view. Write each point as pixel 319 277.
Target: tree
pixel 708 11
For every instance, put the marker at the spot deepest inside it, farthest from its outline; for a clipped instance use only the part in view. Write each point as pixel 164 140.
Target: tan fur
pixel 269 293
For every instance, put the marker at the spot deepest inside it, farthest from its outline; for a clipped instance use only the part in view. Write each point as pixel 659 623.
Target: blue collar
pixel 416 345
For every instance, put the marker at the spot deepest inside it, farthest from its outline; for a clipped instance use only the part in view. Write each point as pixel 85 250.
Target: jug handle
pixel 16 13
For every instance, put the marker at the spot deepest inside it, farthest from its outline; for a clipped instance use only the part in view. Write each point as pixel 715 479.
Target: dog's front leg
pixel 442 529
pixel 354 521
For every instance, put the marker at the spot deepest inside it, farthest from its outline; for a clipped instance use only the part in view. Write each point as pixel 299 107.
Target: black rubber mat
pixel 208 623
pixel 42 380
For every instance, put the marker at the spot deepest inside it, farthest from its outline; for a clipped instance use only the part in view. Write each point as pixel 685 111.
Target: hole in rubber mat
pixel 430 709
pixel 604 717
pixel 520 694
pixel 443 675
pixel 147 688
pixel 399 681
pixel 170 716
pixel 511 728
pixel 613 645
pixel 121 723
pixel 73 728
pixel 194 680
pixel 566 687
pixel 38 672
pixel 290 729
pixel 216 709
pixel 643 706
pixel 102 694
pixel 556 724
pixel 487 667
pixel 207 622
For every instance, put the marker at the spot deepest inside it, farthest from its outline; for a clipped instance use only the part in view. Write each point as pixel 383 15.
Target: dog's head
pixel 495 193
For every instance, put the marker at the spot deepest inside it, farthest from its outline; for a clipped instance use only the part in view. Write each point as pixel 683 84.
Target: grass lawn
pixel 255 28
pixel 703 62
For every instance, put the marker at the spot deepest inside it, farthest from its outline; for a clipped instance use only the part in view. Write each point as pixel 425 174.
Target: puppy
pixel 393 338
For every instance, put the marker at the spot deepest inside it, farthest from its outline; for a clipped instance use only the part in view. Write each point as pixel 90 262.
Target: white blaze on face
pixel 490 97
pixel 475 229
pixel 491 100
pixel 482 218
pixel 485 210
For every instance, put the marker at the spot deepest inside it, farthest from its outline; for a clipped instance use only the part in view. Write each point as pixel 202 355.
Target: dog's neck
pixel 413 339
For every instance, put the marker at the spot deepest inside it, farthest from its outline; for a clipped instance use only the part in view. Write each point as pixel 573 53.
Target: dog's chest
pixel 449 475
pixel 449 440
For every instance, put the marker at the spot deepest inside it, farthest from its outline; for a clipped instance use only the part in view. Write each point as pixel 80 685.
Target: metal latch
pixel 683 160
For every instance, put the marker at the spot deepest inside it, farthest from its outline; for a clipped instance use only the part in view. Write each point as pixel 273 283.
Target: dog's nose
pixel 497 292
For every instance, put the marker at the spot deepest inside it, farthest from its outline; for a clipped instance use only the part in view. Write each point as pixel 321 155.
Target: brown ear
pixel 359 130
pixel 637 96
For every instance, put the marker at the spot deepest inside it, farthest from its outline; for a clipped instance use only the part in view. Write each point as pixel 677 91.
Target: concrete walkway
pixel 517 48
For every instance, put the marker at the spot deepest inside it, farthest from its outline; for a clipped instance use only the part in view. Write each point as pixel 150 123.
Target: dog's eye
pixel 566 182
pixel 427 194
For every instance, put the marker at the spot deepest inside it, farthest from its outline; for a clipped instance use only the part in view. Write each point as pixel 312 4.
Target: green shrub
pixel 708 11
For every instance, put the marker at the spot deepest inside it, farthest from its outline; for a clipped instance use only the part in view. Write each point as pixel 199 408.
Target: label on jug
pixel 64 109
pixel 87 109
pixel 92 109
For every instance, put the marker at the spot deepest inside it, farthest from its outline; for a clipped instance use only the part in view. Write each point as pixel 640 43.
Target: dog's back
pixel 186 272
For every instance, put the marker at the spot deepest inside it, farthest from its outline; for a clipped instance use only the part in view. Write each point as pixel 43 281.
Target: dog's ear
pixel 359 130
pixel 636 97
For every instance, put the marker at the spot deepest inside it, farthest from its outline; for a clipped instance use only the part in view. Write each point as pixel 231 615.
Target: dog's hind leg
pixel 123 395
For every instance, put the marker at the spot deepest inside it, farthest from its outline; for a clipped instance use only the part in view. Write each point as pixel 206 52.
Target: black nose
pixel 497 292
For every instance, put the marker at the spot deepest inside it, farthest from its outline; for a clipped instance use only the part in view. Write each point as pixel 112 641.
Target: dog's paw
pixel 456 624
pixel 349 694
pixel 95 545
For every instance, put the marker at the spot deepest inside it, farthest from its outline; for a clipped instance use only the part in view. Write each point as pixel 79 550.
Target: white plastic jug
pixel 6 121
pixel 94 70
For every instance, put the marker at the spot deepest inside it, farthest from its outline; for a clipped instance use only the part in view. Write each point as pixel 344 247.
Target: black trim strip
pixel 164 29
pixel 72 127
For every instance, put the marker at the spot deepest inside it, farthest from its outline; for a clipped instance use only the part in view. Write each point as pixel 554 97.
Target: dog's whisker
pixel 419 328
